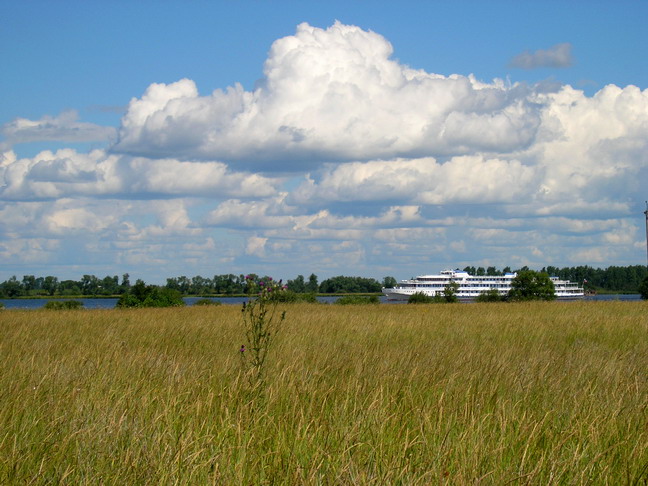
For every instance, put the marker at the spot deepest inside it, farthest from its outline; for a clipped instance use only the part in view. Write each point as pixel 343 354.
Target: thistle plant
pixel 261 323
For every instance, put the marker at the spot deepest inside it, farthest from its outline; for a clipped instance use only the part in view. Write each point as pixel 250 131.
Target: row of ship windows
pixel 506 285
pixel 472 285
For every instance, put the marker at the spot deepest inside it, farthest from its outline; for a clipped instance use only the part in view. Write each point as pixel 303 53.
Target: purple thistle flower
pixel 242 350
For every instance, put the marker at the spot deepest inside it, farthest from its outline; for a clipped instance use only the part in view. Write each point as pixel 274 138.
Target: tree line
pixel 226 284
pixel 611 279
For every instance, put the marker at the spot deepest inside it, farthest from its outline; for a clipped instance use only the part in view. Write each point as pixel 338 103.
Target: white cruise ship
pixel 471 286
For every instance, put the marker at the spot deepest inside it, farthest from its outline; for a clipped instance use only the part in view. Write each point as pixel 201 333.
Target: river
pixel 110 303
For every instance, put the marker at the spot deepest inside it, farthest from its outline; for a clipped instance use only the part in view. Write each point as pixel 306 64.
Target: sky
pixel 286 138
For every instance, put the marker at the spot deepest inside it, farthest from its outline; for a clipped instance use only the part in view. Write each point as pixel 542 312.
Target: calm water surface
pixel 110 303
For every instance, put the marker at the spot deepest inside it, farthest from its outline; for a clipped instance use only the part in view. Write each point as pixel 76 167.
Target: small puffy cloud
pixel 63 128
pixel 62 218
pixel 256 246
pixel 558 56
pixel 28 250
pixel 172 220
pixel 69 220
pixel 268 213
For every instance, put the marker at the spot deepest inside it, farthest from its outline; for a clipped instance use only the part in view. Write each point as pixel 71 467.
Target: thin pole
pixel 646 213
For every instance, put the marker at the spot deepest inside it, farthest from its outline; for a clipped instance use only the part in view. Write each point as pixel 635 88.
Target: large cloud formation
pixel 335 95
pixel 345 157
pixel 331 94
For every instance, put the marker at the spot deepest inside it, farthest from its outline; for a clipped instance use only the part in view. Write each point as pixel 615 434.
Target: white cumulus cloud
pixel 329 94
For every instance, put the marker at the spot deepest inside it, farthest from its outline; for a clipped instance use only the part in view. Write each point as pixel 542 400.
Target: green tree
pixel 90 285
pixel 312 285
pixel 492 272
pixel 450 293
pixel 110 285
pixel 139 290
pixel 227 284
pixel 389 282
pixel 643 288
pixel 69 287
pixel 50 284
pixel 12 287
pixel 29 283
pixel 125 285
pixel 183 284
pixel 532 285
pixel 200 285
pixel 298 285
pixel 342 284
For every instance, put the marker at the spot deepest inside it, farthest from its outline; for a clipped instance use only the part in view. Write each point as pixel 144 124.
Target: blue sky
pixel 284 138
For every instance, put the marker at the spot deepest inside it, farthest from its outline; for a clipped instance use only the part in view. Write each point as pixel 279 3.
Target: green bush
pixel 309 297
pixel 358 299
pixel 288 296
pixel 63 305
pixel 491 295
pixel 283 296
pixel 448 296
pixel 142 295
pixel 420 298
pixel 207 302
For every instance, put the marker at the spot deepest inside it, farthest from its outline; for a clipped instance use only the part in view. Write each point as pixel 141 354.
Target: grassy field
pixel 530 393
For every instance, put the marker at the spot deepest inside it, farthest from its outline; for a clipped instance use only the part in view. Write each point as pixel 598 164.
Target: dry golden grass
pixel 530 393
